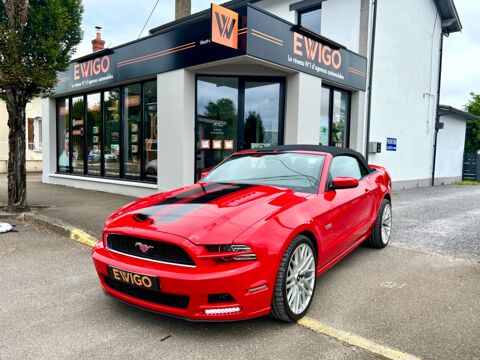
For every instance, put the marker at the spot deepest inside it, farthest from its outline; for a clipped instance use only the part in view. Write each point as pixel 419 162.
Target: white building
pixel 151 114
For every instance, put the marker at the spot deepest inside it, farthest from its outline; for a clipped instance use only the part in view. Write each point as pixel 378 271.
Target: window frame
pixel 242 79
pixel 331 89
pixel 102 91
pixel 363 171
pixel 305 10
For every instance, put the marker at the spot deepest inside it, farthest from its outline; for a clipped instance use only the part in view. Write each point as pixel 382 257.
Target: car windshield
pixel 296 171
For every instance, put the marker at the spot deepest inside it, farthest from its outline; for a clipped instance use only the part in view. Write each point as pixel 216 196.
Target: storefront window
pixel 150 130
pixel 63 135
pixel 93 134
pixel 335 117
pixel 217 104
pixel 110 135
pixel 262 108
pixel 341 104
pixel 236 113
pixel 132 110
pixel 325 117
pixel 78 132
pixel 111 148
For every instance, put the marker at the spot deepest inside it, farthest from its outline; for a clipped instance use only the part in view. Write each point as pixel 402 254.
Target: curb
pixel 55 225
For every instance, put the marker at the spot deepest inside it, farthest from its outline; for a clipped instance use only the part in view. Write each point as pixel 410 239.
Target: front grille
pixel 157 251
pixel 176 301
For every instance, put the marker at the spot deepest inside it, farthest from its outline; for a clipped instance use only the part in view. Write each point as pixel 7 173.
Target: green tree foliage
pixel 472 140
pixel 37 40
pixel 254 130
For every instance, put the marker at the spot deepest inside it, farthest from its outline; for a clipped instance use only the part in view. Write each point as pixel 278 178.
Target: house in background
pixel 33 130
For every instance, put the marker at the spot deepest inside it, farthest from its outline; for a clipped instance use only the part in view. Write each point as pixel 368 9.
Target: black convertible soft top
pixel 335 151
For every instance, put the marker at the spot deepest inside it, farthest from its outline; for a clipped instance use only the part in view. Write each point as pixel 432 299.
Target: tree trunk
pixel 182 8
pixel 17 174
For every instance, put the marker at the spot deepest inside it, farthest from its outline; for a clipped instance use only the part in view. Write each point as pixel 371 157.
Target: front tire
pixel 383 227
pixel 295 283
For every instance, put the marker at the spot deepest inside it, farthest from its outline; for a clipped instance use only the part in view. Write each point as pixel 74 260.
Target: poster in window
pixel 228 145
pixel 204 144
pixel 217 144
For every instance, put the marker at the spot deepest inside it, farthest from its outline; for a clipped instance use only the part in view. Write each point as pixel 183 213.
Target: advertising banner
pixel 216 35
pixel 270 38
pixel 183 45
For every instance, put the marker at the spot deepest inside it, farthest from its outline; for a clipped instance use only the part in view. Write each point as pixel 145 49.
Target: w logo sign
pixel 224 26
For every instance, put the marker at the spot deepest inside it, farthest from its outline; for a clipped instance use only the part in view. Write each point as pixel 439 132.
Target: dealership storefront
pixel 154 113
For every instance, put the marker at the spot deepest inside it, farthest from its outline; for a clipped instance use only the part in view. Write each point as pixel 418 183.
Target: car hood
pixel 205 213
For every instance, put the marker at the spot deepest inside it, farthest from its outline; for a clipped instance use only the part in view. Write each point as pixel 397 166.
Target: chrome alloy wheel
pixel 300 279
pixel 386 223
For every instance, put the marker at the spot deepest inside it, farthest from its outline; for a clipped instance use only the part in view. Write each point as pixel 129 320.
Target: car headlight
pixel 230 253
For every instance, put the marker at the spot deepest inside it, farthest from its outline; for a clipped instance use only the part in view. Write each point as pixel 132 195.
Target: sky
pixel 461 58
pixel 121 22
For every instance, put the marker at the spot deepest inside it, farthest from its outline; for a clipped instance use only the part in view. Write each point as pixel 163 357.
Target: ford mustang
pixel 250 238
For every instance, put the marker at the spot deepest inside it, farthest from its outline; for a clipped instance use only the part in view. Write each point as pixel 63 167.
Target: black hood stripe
pixel 193 204
pixel 148 212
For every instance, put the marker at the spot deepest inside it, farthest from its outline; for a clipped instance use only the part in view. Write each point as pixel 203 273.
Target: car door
pixel 350 208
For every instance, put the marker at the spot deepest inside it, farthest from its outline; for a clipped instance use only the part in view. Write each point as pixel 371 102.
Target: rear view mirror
pixel 344 182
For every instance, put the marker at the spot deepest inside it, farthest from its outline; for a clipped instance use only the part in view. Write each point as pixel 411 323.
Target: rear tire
pixel 295 283
pixel 383 227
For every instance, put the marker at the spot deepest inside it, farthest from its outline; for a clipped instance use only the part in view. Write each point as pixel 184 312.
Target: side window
pixel 346 166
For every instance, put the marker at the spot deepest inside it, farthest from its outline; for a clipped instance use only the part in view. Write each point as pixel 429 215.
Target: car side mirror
pixel 344 182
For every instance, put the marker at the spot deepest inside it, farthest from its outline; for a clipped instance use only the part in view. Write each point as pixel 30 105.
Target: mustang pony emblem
pixel 143 248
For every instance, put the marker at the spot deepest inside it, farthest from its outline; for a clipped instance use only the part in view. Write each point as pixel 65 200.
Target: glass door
pixel 261 123
pixel 334 117
pixel 236 113
pixel 216 120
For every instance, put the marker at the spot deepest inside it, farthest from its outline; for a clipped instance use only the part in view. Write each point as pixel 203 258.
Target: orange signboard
pixel 224 26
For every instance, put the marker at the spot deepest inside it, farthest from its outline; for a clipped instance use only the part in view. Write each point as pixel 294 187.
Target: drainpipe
pixel 438 124
pixel 370 77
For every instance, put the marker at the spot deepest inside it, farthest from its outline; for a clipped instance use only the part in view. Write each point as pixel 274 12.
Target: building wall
pixel 341 22
pixel 340 18
pixel 279 8
pixel 302 110
pixel 33 156
pixel 176 126
pixel 450 146
pixel 404 88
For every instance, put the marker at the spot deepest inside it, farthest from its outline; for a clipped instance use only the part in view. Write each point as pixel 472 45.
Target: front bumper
pixel 184 291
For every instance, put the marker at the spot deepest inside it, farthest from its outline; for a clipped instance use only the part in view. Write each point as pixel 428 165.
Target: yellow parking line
pixel 356 340
pixel 82 237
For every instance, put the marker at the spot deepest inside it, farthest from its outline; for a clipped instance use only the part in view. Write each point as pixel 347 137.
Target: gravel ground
pixel 442 219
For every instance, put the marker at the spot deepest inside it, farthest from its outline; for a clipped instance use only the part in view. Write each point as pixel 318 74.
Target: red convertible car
pixel 250 238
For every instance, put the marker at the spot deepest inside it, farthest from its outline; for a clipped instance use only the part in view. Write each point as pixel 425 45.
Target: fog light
pixel 223 311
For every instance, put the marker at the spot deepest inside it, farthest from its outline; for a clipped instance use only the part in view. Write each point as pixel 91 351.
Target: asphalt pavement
pixel 420 295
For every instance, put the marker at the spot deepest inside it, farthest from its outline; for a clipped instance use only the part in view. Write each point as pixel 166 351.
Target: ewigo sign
pixel 91 72
pixel 313 50
pixel 285 44
pixel 224 26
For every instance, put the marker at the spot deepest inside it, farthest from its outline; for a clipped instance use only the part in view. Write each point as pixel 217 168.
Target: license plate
pixel 130 278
